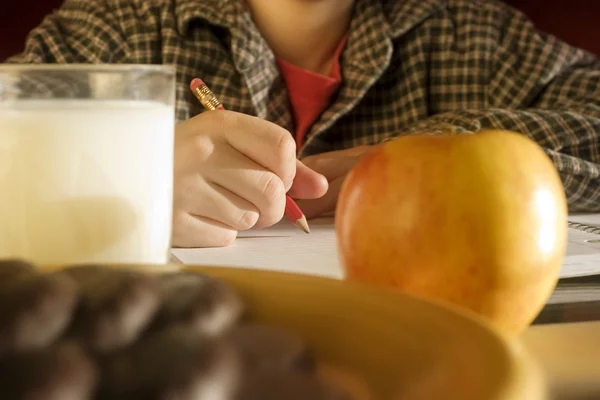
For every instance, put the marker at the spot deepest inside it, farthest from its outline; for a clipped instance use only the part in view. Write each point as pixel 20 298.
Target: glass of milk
pixel 86 163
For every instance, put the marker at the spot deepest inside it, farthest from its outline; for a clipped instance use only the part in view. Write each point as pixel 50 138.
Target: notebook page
pixel 282 247
pixel 580 265
pixel 587 219
pixel 583 250
pixel 582 243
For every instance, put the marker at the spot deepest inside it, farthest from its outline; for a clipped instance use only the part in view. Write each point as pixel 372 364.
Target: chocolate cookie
pixel 116 305
pixel 59 372
pixel 205 304
pixel 289 386
pixel 35 309
pixel 266 348
pixel 11 269
pixel 175 363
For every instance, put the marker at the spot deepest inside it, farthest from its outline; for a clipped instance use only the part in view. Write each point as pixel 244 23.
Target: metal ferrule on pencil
pixel 207 98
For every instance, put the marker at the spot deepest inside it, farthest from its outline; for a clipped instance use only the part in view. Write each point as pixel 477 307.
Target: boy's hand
pixel 232 172
pixel 334 166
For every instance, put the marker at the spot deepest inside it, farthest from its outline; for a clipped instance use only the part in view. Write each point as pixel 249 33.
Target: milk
pixel 86 181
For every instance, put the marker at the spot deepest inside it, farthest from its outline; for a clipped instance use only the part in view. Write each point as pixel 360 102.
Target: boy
pixel 341 76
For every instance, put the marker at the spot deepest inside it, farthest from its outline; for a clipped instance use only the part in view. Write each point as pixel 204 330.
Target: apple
pixel 478 220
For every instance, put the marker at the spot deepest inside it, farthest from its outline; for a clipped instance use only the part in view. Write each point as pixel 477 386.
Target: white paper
pixel 284 247
pixel 587 219
pixel 582 243
pixel 583 251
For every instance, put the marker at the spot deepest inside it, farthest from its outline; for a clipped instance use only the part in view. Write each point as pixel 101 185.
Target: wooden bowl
pixel 386 345
pixel 381 344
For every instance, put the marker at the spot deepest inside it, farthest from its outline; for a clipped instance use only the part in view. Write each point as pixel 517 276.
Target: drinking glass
pixel 86 163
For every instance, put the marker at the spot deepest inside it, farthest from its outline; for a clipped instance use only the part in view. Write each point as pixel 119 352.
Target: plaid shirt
pixel 408 66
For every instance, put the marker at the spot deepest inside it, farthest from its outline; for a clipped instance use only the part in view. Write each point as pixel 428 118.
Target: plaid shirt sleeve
pixel 561 111
pixel 78 32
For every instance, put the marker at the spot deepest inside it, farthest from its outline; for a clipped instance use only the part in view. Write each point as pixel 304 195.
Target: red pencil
pixel 210 102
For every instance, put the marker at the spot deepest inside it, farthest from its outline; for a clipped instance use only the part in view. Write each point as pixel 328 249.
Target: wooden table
pixel 569 354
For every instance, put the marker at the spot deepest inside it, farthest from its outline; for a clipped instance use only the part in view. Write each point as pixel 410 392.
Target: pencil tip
pixel 303 224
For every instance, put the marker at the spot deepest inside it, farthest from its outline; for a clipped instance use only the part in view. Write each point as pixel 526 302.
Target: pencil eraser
pixel 195 83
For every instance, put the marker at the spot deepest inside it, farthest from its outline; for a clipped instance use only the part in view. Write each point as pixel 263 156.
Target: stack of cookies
pixel 94 332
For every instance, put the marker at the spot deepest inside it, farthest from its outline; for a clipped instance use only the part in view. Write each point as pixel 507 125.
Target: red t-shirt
pixel 309 92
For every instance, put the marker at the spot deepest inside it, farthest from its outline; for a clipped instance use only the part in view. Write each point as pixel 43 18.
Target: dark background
pixel 575 21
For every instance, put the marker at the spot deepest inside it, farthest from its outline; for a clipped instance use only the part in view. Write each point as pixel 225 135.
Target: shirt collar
pixel 403 15
pixel 216 12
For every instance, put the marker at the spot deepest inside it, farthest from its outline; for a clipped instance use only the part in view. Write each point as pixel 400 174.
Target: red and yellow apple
pixel 477 220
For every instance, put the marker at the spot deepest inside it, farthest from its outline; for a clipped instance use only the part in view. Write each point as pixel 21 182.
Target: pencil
pixel 209 101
